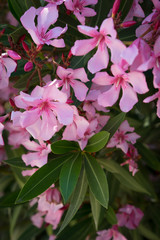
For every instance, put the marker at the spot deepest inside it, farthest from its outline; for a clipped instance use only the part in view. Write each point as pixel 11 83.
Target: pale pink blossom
pixel 78 7
pixel 1 139
pixel 106 37
pixel 129 216
pixel 135 11
pixel 38 155
pixel 124 80
pixel 40 34
pixel 7 66
pixel 29 172
pixel 153 97
pixel 68 77
pixel 56 2
pixel 46 107
pixel 109 234
pixel 17 134
pixel 156 69
pixel 123 137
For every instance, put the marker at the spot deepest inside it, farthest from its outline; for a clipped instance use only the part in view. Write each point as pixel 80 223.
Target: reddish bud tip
pixel 115 7
pixel 69 55
pixel 25 46
pixel 2 31
pixel 68 12
pixel 28 66
pixel 128 24
pixel 69 101
pixel 13 55
pixel 12 103
pixel 39 48
pixel 21 39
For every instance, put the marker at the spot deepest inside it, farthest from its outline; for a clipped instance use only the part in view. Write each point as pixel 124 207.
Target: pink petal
pixel 156 80
pixel 82 125
pixel 117 70
pixel 49 125
pixel 58 43
pixel 29 117
pixel 27 19
pixel 88 12
pixel 125 127
pixel 123 146
pixel 102 78
pixel 89 31
pixel 157 47
pixel 80 74
pixel 80 17
pixel 107 99
pixel 116 47
pixel 132 137
pixel 128 100
pixel 56 32
pixel 138 81
pixel 69 5
pixel 10 65
pixel 46 17
pixel 151 98
pixel 52 93
pixel 70 132
pixel 31 145
pixel 90 2
pixel 80 90
pixel 130 53
pixel 107 27
pixel 100 59
pixel 158 108
pixel 82 47
pixel 64 113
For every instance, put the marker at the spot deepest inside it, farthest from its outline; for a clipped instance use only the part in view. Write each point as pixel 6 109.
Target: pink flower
pixel 78 7
pixel 156 69
pixel 68 77
pixel 120 80
pixel 45 17
pixel 56 2
pixel 46 108
pixel 123 137
pixel 135 11
pixel 7 66
pixel 109 234
pixel 129 216
pixel 39 155
pixel 153 97
pixel 1 139
pixel 103 39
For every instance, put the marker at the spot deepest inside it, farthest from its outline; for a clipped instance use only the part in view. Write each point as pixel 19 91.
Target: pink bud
pixel 13 54
pixel 12 103
pixel 128 24
pixel 69 101
pixel 28 66
pixel 39 48
pixel 2 31
pixel 69 55
pixel 115 7
pixel 25 46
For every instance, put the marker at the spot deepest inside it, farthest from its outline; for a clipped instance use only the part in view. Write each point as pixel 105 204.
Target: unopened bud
pixel 12 103
pixel 69 55
pixel 128 24
pixel 2 32
pixel 13 55
pixel 25 46
pixel 39 48
pixel 115 7
pixel 28 66
pixel 21 39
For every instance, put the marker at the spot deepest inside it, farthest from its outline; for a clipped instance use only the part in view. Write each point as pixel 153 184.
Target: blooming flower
pixel 129 216
pixel 46 107
pixel 7 66
pixel 123 136
pixel 46 16
pixel 120 80
pixel 78 7
pixel 109 234
pixel 106 37
pixel 68 78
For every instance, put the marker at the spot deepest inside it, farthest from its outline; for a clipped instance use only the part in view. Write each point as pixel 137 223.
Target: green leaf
pixel 9 199
pixel 30 233
pixel 64 146
pixel 97 180
pixel 76 200
pixel 147 233
pixel 124 8
pixel 111 216
pixel 148 156
pixel 96 209
pixel 69 175
pixel 97 142
pixel 114 123
pixel 122 175
pixel 42 179
pixel 15 35
pixel 32 3
pixel 17 162
pixel 17 8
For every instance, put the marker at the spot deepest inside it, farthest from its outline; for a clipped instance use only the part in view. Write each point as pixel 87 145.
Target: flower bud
pixel 39 48
pixel 28 66
pixel 25 46
pixel 128 24
pixel 115 7
pixel 13 55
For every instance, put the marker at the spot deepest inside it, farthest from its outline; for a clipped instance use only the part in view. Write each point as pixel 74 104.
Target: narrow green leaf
pixel 14 218
pixel 9 199
pixel 17 162
pixel 96 209
pixel 122 175
pixel 147 233
pixel 17 8
pixel 76 200
pixel 15 35
pixel 69 175
pixel 64 146
pixel 34 3
pixel 111 216
pixel 114 123
pixel 42 179
pixel 97 142
pixel 97 180
pixel 148 156
pixel 30 233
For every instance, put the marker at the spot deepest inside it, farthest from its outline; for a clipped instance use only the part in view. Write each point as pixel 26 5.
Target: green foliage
pixel 64 146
